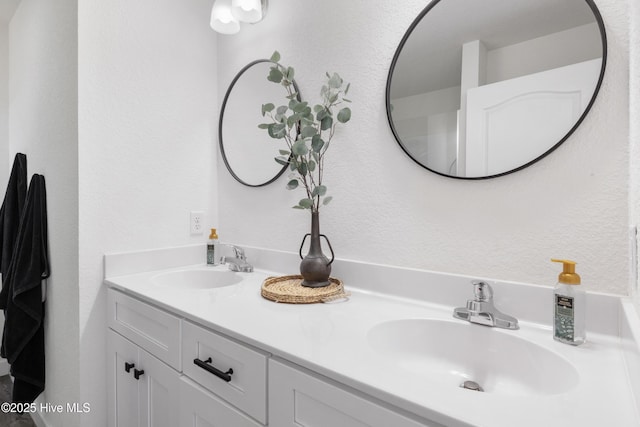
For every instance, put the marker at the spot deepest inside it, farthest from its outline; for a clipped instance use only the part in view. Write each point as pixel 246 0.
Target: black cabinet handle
pixel 204 364
pixel 137 373
pixel 128 366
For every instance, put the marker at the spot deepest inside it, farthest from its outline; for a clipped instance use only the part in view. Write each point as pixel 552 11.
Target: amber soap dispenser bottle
pixel 212 248
pixel 569 306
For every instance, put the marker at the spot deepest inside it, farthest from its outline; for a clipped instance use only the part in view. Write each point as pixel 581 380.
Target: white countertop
pixel 331 339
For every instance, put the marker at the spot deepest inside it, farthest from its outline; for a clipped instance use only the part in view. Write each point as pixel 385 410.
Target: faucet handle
pixel 238 251
pixel 482 291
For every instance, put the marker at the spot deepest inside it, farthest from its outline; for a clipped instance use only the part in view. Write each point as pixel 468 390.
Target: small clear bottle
pixel 569 306
pixel 213 256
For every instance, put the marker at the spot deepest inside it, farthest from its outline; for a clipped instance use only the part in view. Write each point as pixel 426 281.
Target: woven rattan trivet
pixel 290 290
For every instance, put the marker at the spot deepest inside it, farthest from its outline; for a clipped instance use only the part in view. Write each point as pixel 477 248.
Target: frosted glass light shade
pixel 221 18
pixel 247 10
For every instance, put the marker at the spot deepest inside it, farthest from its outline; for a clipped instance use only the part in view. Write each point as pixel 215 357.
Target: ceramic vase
pixel 315 267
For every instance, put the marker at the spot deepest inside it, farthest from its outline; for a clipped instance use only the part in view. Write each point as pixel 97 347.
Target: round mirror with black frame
pixel 248 152
pixel 482 88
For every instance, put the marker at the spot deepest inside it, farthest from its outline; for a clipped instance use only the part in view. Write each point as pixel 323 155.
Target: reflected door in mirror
pixel 482 88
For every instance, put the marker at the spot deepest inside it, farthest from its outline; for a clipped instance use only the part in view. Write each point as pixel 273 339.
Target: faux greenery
pixel 306 130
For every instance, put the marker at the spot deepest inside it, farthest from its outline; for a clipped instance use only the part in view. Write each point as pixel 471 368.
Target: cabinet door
pixel 199 408
pixel 298 399
pixel 122 387
pixel 159 394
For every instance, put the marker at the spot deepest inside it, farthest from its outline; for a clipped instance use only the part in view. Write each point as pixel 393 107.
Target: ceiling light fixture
pixel 250 11
pixel 226 15
pixel 221 18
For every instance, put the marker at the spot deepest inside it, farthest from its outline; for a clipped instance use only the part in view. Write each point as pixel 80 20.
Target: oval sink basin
pixel 452 353
pixel 197 279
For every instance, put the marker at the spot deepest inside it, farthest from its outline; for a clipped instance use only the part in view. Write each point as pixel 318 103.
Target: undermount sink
pixel 197 279
pixel 452 353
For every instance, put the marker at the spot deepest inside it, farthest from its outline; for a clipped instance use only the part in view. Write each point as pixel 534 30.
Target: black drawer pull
pixel 137 373
pixel 128 366
pixel 204 364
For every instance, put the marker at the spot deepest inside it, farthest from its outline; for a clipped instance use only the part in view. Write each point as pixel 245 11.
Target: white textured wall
pixel 5 164
pixel 43 125
pixel 634 130
pixel 148 108
pixel 386 209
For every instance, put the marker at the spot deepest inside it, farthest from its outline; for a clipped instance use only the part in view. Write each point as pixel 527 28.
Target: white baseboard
pixel 38 420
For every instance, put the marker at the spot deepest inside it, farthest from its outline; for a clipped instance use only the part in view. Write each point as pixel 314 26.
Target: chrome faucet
pixel 482 311
pixel 238 262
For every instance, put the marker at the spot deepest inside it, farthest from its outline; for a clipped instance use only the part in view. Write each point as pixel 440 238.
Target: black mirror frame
pixel 416 21
pixel 220 121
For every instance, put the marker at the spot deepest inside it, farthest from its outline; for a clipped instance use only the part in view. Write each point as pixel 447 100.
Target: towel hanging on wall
pixel 11 212
pixel 23 340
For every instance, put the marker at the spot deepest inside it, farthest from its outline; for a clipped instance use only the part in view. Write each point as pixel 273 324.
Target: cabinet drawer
pixel 200 408
pixel 153 329
pixel 299 399
pixel 231 370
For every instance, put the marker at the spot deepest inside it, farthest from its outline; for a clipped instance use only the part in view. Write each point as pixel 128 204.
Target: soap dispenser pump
pixel 569 302
pixel 212 248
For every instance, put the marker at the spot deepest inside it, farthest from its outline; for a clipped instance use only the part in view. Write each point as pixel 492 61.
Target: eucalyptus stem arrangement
pixel 307 131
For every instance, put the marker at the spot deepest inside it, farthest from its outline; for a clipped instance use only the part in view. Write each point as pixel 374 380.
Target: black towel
pixel 10 214
pixel 23 341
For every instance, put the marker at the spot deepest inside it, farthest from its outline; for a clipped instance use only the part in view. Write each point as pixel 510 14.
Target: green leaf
pixel 317 143
pixel 346 100
pixel 346 90
pixel 277 130
pixel 275 75
pixel 302 107
pixel 293 184
pixel 266 108
pixel 292 166
pixel 335 81
pixel 326 123
pixel 344 115
pixel 302 169
pixel 290 73
pixel 281 160
pixel 275 57
pixel 299 148
pixel 322 114
pixel 326 200
pixel 264 125
pixel 282 109
pixel 311 165
pixel 294 95
pixel 317 108
pixel 305 203
pixel 292 120
pixel 308 131
pixel 320 190
pixel 285 152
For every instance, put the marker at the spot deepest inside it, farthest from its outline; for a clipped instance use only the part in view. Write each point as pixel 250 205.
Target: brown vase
pixel 315 267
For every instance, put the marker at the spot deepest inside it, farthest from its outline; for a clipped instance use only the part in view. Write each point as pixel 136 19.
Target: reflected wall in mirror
pixel 247 151
pixel 482 88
